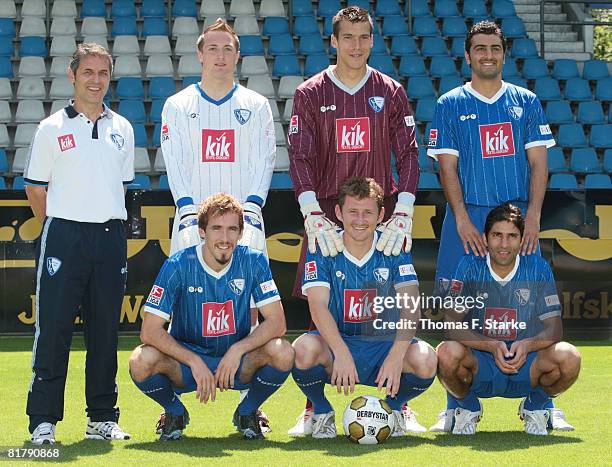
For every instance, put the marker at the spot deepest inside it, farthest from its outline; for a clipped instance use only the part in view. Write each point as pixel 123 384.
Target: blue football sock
pixel 469 402
pixel 537 399
pixel 266 381
pixel 159 388
pixel 411 386
pixel 451 402
pixel 549 404
pixel 312 383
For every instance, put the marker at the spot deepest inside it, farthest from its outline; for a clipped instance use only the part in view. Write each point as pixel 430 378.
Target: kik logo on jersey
pixel 496 140
pixel 352 134
pixel 358 305
pixel 218 319
pixel 504 320
pixel 218 145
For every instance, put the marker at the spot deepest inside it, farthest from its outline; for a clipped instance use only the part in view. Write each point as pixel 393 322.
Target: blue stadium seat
pixel 134 111
pixel 556 160
pixel 518 81
pixel 3 161
pixel 425 109
pixel 387 8
pixel 571 135
pixel 442 66
pixel 418 8
pixel 383 63
pixel 189 80
pixel 590 113
pixel 2 184
pixel 432 46
pixel 93 8
pixel 454 27
pixel 315 64
pixel 365 4
pixel 274 25
pixel 425 26
pixel 403 45
pixel 412 65
pixel 305 25
pixel 155 27
pixel 466 70
pixel 161 87
pixel 578 89
pixel 478 19
pixel 603 90
pixel 534 68
pixel 140 135
pixel 156 109
pixel 6 68
pixel 559 112
pixel 565 68
pixel 184 8
pixel 33 46
pixel 509 69
pixel 286 65
pixel 474 8
pixel 547 89
pixel 130 88
pixel 302 8
pixel 524 48
pixel 327 26
pixel 448 83
pixel 124 27
pixel 394 26
pixel 281 44
pixel 513 28
pixel 281 181
pixel 312 44
pixel 163 183
pixel 153 9
pixel 595 69
pixel 584 160
pixel 251 45
pixel 425 162
pixel 457 47
pixel 502 9
pixel 328 8
pixel 420 87
pixel 429 181
pixel 607 164
pixel 597 182
pixel 7 28
pixel 445 8
pixel 18 183
pixel 157 133
pixel 141 182
pixel 563 182
pixel 380 47
pixel 123 8
pixel 601 136
pixel 6 47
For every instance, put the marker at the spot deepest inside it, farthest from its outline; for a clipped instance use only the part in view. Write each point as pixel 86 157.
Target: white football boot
pixel 43 434
pixel 303 426
pixel 411 424
pixel 324 425
pixel 466 421
pixel 105 431
pixel 557 420
pixel 444 423
pixel 536 421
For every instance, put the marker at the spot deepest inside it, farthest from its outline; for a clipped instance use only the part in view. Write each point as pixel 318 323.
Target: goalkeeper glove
pixel 253 235
pixel 319 229
pixel 397 231
pixel 188 231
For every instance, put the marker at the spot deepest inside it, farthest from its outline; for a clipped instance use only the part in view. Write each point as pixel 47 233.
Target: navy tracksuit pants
pixel 79 265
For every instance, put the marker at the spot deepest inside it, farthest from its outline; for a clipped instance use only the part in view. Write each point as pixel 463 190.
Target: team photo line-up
pixel 201 332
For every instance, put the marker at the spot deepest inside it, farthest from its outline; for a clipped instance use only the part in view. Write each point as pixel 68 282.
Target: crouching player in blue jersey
pixel 356 339
pixel 205 290
pixel 508 344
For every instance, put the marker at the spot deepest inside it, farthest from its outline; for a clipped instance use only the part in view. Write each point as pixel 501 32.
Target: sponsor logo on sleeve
pixel 218 319
pixel 409 120
pixel 165 133
pixel 500 323
pixel 294 125
pixel 268 286
pixel 552 300
pixel 358 305
pixel 406 270
pixel 242 115
pixel 433 138
pixel 352 134
pixel 66 142
pixel 310 271
pixel 455 288
pixel 156 295
pixel 545 130
pixel 218 145
pixel 496 140
pixel 377 103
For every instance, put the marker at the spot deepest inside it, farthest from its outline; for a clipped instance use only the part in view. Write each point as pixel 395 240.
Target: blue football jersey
pixel 527 295
pixel 209 311
pixel 490 137
pixel 354 285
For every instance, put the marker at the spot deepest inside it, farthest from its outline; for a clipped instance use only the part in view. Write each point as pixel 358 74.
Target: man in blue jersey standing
pixel 490 138
pixel 205 291
pixel 357 339
pixel 510 342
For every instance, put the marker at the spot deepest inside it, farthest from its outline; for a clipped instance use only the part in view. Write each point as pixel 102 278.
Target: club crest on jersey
pixel 496 140
pixel 377 103
pixel 515 112
pixel 242 115
pixel 294 125
pixel 53 265
pixel 358 305
pixel 353 134
pixel 381 275
pixel 500 323
pixel 218 145
pixel 66 142
pixel 310 271
pixel 218 319
pixel 522 296
pixel 118 140
pixel 236 286
pixel 156 295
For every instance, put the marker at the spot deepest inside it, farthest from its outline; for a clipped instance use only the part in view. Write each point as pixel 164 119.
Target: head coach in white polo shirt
pixel 81 158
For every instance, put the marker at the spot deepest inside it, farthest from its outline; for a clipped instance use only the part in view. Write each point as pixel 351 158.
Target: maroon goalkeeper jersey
pixel 336 133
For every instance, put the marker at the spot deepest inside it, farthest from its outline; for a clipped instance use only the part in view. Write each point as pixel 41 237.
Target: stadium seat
pixel 429 181
pixel 584 160
pixel 100 40
pixel 432 46
pixel 18 183
pixel 281 180
pixel 288 109
pixel 474 8
pixel 274 25
pixel 403 45
pixel 454 27
pixel 156 110
pixel 382 63
pixel 312 44
pixel 327 8
pixel 603 89
pixel 577 89
pixel 287 85
pixel 412 65
pixel 282 159
pixel 556 160
pixel 157 135
pixel 246 25
pixel 3 184
pixel 279 132
pixel 159 65
pixel 425 162
pixel 7 27
pixel 274 108
pixel 161 87
pixel 185 45
pixel 155 27
pixel 558 112
pixel 189 65
pixel 518 81
pixel 420 87
pixel 155 8
pixel 466 70
pixel 8 10
pixel 328 27
pixel 189 80
pixel 141 160
pixel 524 48
pixel 563 182
pixel 129 88
pixel 63 8
pixel 285 65
pixel 281 44
pixel 502 9
pixel 275 8
pixel 302 8
pixel 305 25
pixel 425 109
pixel 394 26
pixel 601 136
pixel 509 69
pixel 5 112
pixel 92 26
pixel 93 8
pixel 19 162
pixel 58 105
pixel 163 183
pixel 140 135
pixel 155 45
pixel 141 182
pixel 607 164
pixel 535 68
pixel 597 182
pixel 32 66
pixel 565 68
pixel 513 27
pixel 425 26
pixel 315 64
pixel 134 111
pixel 185 8
pixel 254 65
pixel 62 46
pixel 123 8
pixel 59 66
pixel 595 70
pixel 4 137
pixel 547 89
pixel 457 49
pixel 33 46
pixel 388 8
pixel 251 45
pixel 3 159
pixel 590 113
pixel 187 26
pixel 127 65
pixel 31 26
pixel 448 83
pixel 6 47
pixel 126 45
pixel 442 66
pixel 418 8
pixel 379 46
pixel 571 135
pixel 31 88
pixel 261 84
pixel 159 165
pixel 445 8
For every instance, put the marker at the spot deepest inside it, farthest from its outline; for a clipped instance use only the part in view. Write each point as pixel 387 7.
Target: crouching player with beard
pixel 354 344
pixel 511 346
pixel 205 290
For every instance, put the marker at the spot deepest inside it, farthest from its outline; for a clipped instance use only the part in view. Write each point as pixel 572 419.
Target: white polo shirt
pixel 84 164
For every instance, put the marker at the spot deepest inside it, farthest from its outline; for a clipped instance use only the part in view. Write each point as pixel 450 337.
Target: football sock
pixel 159 388
pixel 549 404
pixel 537 399
pixel 451 402
pixel 411 386
pixel 312 383
pixel 266 381
pixel 469 402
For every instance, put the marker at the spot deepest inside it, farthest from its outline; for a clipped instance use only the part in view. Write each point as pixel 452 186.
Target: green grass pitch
pixel 211 440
